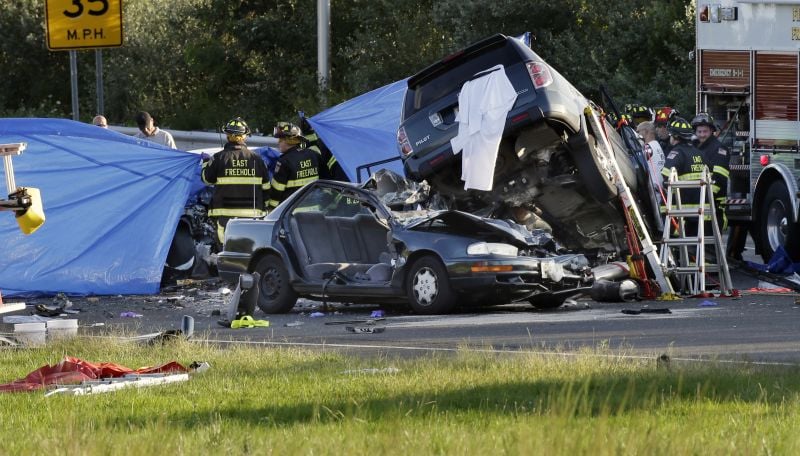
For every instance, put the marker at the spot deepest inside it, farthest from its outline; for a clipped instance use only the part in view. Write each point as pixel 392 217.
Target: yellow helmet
pixel 680 128
pixel 236 129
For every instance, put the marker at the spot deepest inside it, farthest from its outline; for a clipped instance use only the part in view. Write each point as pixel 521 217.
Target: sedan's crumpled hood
pixel 459 222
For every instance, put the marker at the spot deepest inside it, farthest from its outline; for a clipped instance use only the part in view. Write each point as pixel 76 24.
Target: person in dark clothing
pixel 296 167
pixel 329 166
pixel 688 163
pixel 716 157
pixel 240 178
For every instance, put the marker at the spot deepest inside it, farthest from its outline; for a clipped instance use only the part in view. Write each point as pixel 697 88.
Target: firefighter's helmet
pixel 640 113
pixel 680 128
pixel 236 130
pixel 704 118
pixel 663 115
pixel 287 130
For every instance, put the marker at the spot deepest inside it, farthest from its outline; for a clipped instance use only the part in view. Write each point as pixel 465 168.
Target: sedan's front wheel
pixel 428 287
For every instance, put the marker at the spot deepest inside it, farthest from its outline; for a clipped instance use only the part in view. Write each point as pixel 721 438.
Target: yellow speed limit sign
pixel 82 24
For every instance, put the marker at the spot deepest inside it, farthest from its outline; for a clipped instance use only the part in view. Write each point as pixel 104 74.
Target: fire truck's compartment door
pixel 776 99
pixel 724 71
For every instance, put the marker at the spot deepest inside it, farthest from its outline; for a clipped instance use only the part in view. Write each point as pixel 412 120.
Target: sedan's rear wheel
pixel 275 293
pixel 428 287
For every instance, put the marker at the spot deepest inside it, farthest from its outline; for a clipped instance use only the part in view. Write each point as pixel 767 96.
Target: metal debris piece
pixel 365 329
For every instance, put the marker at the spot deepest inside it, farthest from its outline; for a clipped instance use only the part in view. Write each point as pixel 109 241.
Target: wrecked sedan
pixel 548 161
pixel 339 242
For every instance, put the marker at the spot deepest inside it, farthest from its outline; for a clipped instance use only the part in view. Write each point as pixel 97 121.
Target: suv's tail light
pixel 540 74
pixel 402 143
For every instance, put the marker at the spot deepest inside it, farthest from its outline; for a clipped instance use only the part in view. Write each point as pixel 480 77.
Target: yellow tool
pixel 248 322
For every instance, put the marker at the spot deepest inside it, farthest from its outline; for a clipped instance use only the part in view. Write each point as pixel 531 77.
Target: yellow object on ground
pixel 669 297
pixel 33 217
pixel 248 322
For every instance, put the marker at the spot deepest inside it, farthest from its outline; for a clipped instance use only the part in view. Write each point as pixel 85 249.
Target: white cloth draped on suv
pixel 483 106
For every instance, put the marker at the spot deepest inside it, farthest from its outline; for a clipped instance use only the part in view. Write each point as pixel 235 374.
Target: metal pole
pixel 73 77
pixel 98 76
pixel 323 46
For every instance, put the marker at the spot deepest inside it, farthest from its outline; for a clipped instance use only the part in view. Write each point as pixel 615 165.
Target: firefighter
pixel 296 167
pixel 239 176
pixel 329 167
pixel 663 116
pixel 639 114
pixel 688 162
pixel 716 157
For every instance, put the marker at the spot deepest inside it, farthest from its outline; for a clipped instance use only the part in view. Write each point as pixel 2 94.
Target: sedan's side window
pixel 331 202
pixel 316 200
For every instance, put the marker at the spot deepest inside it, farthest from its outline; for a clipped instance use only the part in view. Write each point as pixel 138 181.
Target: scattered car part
pixel 623 291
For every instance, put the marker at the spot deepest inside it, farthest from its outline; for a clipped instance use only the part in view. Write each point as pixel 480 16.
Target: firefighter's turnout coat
pixel 241 180
pixel 688 163
pixel 296 168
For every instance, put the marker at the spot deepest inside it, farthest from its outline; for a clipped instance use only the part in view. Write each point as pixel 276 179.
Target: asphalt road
pixel 756 327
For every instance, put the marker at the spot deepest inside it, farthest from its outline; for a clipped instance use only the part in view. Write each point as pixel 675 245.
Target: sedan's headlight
pixel 492 248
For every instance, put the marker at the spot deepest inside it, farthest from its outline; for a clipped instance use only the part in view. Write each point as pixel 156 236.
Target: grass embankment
pixel 278 401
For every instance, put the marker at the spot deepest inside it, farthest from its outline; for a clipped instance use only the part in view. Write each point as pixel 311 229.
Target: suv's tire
pixel 775 226
pixel 428 287
pixel 275 293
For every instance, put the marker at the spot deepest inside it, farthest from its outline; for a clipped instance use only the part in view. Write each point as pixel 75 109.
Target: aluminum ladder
pixel 636 225
pixel 689 266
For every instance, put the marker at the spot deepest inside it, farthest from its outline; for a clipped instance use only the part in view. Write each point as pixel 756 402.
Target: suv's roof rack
pixel 434 69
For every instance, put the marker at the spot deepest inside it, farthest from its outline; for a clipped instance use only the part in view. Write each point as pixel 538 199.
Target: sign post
pixel 83 24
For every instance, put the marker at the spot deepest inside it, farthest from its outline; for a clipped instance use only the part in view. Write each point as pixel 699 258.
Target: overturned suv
pixel 548 161
pixel 339 242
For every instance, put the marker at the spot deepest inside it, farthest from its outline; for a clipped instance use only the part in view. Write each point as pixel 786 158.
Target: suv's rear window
pixel 451 80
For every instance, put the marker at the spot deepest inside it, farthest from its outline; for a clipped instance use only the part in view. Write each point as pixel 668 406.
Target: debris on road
pixel 249 322
pixel 365 329
pixel 646 310
pixel 130 315
pixel 370 321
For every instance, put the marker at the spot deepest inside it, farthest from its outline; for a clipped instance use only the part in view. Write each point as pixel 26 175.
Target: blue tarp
pixel 363 130
pixel 780 263
pixel 112 203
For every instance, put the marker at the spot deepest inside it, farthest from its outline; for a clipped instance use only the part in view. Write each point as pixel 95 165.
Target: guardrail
pixel 190 140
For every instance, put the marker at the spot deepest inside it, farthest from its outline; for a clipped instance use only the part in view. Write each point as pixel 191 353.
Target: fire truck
pixel 747 55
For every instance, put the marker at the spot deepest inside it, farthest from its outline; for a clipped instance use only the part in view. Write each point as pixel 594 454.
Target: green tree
pixel 637 48
pixel 28 85
pixel 196 63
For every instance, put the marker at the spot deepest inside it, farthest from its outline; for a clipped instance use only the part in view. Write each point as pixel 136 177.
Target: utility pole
pixel 98 75
pixel 323 48
pixel 73 79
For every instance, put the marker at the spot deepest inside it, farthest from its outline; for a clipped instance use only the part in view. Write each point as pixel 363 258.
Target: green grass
pixel 282 401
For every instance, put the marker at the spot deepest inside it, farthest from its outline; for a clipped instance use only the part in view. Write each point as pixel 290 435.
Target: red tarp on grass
pixel 71 371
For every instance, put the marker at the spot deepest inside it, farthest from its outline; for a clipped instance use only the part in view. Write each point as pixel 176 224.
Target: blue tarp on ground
pixel 112 203
pixel 363 130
